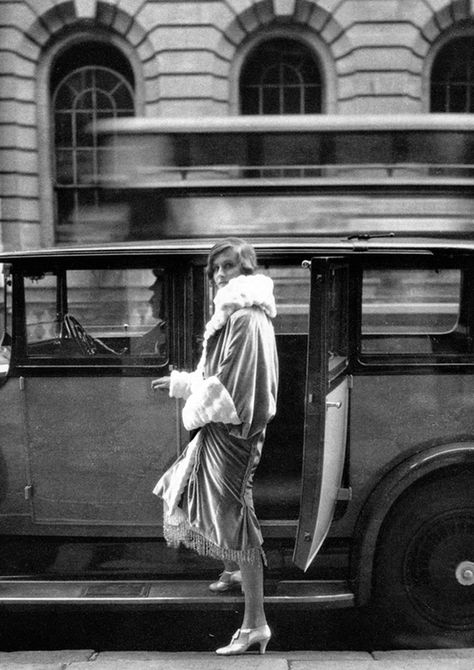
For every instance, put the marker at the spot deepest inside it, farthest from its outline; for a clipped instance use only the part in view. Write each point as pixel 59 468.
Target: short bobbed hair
pixel 245 253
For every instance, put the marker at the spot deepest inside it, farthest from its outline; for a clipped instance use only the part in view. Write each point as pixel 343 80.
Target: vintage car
pixel 365 488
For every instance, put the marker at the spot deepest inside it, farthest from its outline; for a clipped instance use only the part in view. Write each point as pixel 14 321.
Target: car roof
pixel 266 246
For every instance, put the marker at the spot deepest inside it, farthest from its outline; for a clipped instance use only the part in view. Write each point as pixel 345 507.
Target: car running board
pixel 169 593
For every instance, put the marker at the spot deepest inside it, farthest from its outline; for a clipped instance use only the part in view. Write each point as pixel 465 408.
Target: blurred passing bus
pixel 365 486
pixel 283 175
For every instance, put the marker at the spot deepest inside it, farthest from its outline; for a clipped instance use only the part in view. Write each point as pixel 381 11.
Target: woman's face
pixel 225 267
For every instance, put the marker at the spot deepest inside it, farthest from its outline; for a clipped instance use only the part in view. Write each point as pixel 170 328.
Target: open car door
pixel 326 405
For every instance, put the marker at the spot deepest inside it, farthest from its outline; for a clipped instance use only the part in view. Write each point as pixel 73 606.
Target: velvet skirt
pixel 215 515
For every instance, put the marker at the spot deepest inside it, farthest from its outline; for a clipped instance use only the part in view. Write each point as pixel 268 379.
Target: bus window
pixel 98 312
pixel 410 310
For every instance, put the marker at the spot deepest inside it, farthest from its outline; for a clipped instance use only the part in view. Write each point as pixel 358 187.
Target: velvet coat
pixel 230 398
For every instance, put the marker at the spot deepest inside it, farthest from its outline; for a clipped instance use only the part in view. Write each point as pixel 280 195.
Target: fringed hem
pixel 192 539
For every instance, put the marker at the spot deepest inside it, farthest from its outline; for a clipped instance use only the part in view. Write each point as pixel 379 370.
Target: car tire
pixel 424 567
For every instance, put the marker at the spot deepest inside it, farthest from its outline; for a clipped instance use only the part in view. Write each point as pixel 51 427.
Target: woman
pixel 231 396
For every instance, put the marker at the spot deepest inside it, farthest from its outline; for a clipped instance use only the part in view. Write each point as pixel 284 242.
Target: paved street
pixel 453 659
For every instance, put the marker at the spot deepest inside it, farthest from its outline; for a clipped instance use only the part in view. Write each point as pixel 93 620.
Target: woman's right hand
pixel 162 384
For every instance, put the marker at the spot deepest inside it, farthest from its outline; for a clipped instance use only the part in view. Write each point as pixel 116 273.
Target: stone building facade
pixel 191 58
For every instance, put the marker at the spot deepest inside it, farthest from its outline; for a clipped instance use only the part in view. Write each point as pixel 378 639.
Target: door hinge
pixel 345 493
pixel 28 492
pixel 350 381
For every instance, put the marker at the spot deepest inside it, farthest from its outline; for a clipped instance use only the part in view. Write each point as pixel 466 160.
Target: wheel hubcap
pixel 465 573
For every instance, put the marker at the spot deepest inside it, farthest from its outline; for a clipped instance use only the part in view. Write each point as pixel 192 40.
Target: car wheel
pixel 424 567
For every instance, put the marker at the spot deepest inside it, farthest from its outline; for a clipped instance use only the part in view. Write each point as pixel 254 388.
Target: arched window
pixel 281 76
pixel 88 82
pixel 452 77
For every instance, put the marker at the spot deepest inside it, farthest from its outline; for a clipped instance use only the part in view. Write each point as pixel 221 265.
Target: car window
pixel 108 313
pixel 411 310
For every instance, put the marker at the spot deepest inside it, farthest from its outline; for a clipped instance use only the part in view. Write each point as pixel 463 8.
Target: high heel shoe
pixel 244 638
pixel 227 581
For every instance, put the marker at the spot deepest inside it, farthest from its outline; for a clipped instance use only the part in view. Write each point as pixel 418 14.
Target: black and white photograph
pixel 237 334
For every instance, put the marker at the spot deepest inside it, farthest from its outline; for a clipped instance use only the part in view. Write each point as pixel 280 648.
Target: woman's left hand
pixel 162 383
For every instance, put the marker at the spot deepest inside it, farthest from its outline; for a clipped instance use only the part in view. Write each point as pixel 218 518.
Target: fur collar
pixel 242 291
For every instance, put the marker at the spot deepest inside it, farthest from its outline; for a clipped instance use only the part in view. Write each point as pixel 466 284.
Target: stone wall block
pixel 380 105
pixel 122 22
pixel 380 59
pixel 240 6
pixel 265 12
pixel 14 64
pixel 383 84
pixel 19 15
pixel 220 67
pixel 23 185
pixel 145 51
pixel 19 209
pixel 461 9
pixel 414 11
pixel 26 137
pixel 249 19
pixel 152 92
pixel 24 93
pixel 147 17
pixel 85 9
pixel 53 19
pixel 332 32
pixel 220 89
pixel 445 17
pixel 67 12
pixel 28 49
pixel 341 47
pixel 11 158
pixel 303 11
pixel 136 34
pixel 192 37
pixel 430 33
pixel 180 14
pixel 151 70
pixel 330 6
pixel 236 33
pixel 131 7
pixel 8 90
pixel 226 50
pixel 187 86
pixel 438 5
pixel 184 62
pixel 353 11
pixel 187 108
pixel 284 8
pixel 394 34
pixel 18 235
pixel 318 19
pixel 41 7
pixel 17 111
pixel 38 33
pixel 106 13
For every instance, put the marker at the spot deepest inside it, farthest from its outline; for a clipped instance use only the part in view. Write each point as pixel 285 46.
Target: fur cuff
pixel 210 403
pixel 182 384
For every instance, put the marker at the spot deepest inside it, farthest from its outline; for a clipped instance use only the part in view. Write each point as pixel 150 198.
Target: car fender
pixel 385 494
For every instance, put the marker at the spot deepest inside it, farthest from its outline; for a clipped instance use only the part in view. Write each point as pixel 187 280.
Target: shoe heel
pixel 263 645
